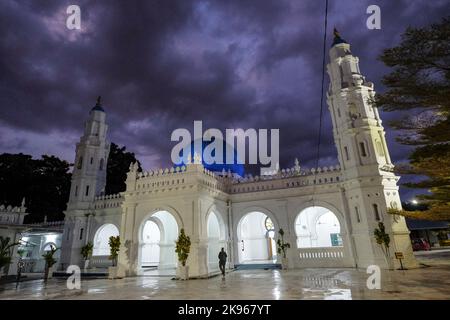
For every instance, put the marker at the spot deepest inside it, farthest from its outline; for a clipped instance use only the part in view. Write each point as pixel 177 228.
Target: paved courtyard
pixel 432 282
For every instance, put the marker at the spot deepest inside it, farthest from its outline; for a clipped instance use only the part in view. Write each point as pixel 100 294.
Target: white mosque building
pixel 328 214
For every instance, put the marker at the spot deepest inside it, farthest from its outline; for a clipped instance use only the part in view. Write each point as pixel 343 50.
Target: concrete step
pixel 257 266
pixel 63 274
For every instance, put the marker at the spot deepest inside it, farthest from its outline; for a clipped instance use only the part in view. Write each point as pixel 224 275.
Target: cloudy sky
pixel 160 65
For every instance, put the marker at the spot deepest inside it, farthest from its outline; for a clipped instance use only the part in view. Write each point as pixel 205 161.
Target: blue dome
pixel 98 108
pixel 235 167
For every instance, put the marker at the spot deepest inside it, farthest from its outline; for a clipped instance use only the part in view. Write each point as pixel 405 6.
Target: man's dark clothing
pixel 222 261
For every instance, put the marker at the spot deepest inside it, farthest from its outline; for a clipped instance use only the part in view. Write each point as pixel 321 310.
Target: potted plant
pixel 282 247
pixel 183 246
pixel 5 253
pixel 383 239
pixel 114 246
pixel 86 252
pixel 49 262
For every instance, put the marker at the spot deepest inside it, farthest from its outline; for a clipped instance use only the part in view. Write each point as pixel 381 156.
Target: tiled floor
pixel 424 283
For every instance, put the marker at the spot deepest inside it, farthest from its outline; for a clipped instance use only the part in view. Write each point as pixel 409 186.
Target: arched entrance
pixel 157 236
pixel 216 240
pixel 256 239
pixel 101 239
pixel 317 227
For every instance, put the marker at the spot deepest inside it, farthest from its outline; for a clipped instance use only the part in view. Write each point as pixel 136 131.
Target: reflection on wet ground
pixel 324 284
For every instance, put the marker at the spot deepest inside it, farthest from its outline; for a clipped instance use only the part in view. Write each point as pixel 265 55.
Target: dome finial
pixel 337 38
pixel 98 105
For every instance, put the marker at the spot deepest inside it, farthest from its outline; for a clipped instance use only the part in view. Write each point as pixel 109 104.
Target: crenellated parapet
pixel 287 178
pixel 13 215
pixel 108 201
pixel 196 177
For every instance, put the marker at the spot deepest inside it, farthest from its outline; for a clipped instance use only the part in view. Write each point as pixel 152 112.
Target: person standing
pixel 222 261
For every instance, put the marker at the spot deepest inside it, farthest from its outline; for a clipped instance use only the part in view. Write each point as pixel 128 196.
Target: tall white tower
pixel 370 186
pixel 89 173
pixel 88 181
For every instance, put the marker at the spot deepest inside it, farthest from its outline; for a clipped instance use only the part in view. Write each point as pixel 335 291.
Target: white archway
pixel 151 237
pixel 317 227
pixel 101 239
pixel 256 243
pixel 216 240
pixel 157 235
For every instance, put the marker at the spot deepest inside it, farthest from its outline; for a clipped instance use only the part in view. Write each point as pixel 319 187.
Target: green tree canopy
pixel 118 165
pixel 419 85
pixel 44 183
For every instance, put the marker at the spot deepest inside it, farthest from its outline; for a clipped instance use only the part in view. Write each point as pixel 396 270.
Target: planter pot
pixel 113 273
pixel 86 264
pixel 183 272
pixel 284 263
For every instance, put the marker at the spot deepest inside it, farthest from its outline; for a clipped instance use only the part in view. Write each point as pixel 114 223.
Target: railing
pixel 323 257
pixel 100 262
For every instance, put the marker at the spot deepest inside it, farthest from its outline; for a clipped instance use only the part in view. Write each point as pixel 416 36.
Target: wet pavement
pixel 431 282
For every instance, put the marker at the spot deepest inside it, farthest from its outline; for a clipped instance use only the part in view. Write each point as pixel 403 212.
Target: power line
pixel 321 93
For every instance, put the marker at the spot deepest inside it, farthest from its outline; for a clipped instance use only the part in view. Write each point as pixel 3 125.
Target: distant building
pixel 428 230
pixel 35 239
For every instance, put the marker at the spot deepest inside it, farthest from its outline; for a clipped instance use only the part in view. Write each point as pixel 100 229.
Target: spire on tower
pixel 337 38
pixel 98 105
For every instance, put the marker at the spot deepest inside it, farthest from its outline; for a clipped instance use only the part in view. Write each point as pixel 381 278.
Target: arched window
pixel 80 163
pixel 376 212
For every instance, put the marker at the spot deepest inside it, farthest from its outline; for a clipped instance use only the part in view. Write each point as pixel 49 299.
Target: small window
pixel 92 160
pixel 101 164
pixel 76 191
pixel 336 240
pixel 347 157
pixel 376 212
pixel 358 218
pixel 87 190
pixel 339 112
pixel 81 233
pixel 268 224
pixel 80 163
pixel 362 146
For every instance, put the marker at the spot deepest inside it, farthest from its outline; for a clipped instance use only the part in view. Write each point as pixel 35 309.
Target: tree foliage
pixel 114 248
pixel 419 85
pixel 118 164
pixel 183 247
pixel 44 183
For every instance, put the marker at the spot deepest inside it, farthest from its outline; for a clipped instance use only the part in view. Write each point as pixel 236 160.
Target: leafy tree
pixel 383 239
pixel 49 260
pixel 282 245
pixel 419 85
pixel 114 247
pixel 86 250
pixel 5 251
pixel 118 164
pixel 44 182
pixel 183 247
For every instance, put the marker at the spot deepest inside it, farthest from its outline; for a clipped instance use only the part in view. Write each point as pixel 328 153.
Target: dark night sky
pixel 160 65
